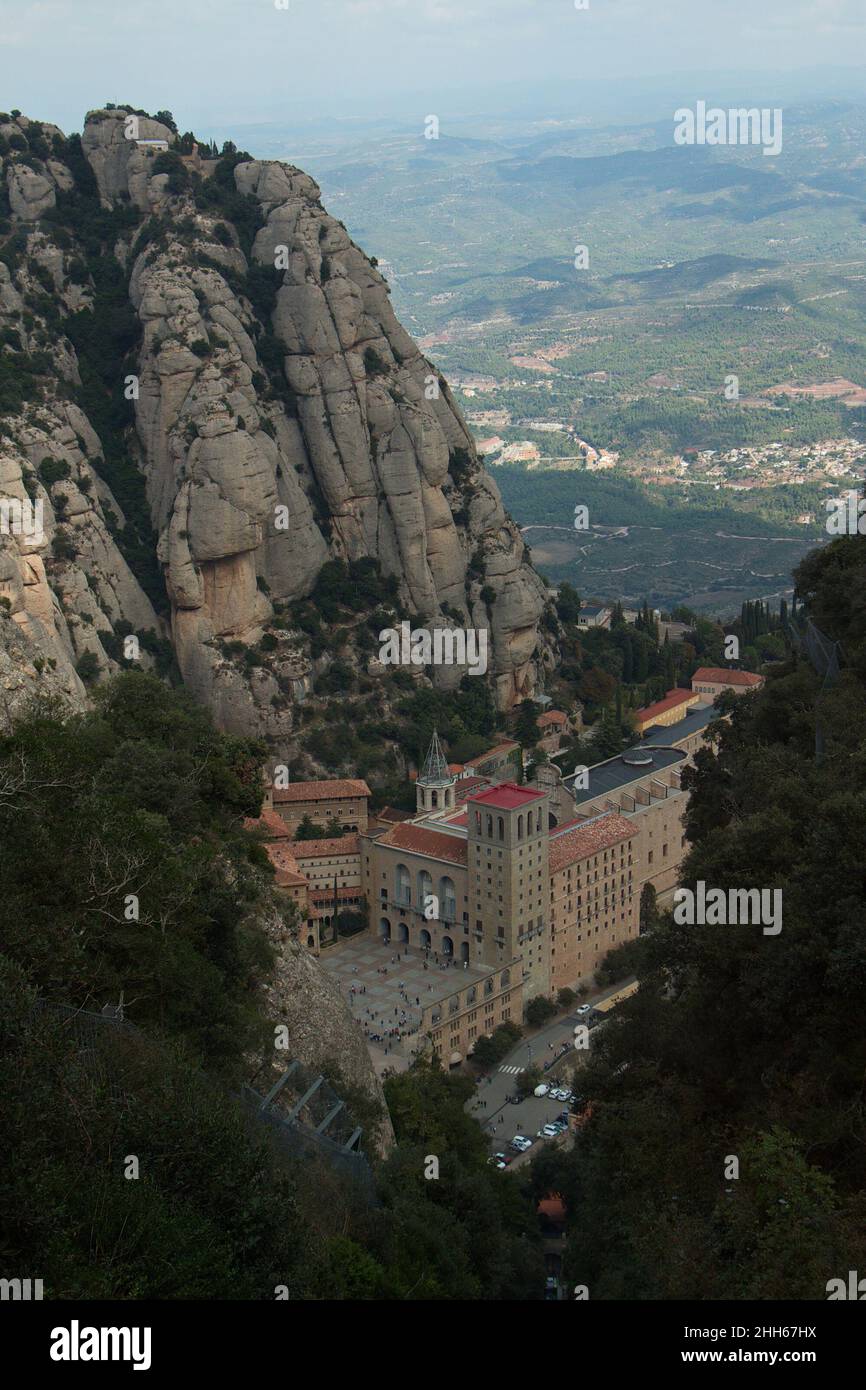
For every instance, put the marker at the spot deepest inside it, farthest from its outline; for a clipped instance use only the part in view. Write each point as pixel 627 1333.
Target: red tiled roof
pixel 587 839
pixel 326 895
pixel 394 817
pixel 670 701
pixel 553 1207
pixel 284 866
pixel 718 675
pixel 287 878
pixel 551 716
pixel 506 797
pixel 505 745
pixel 468 786
pixel 320 791
pixel 270 824
pixel 318 849
pixel 417 839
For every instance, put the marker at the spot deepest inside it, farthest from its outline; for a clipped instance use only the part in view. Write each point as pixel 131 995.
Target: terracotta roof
pixel 553 1207
pixel 584 840
pixel 318 849
pixel 326 895
pixel 468 786
pixel 505 745
pixel 287 878
pixel 320 791
pixel 417 839
pixel 551 716
pixel 394 817
pixel 507 796
pixel 270 824
pixel 719 675
pixel 670 701
pixel 285 868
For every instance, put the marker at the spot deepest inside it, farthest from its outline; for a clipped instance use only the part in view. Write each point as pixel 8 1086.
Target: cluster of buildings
pixel 708 682
pixel 520 888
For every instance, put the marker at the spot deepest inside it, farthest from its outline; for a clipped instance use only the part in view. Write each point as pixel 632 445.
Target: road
pixel 501 1120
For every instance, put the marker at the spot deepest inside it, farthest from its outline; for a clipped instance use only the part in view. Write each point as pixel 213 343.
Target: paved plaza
pixel 387 985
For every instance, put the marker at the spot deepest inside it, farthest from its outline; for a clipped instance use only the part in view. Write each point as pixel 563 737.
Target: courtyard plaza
pixel 381 981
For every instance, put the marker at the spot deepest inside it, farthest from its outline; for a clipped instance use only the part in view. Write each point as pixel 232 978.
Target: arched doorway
pixel 447 946
pixel 464 951
pixel 402 931
pixel 385 929
pixel 425 938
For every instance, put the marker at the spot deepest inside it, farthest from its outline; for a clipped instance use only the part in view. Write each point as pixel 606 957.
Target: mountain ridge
pixel 246 368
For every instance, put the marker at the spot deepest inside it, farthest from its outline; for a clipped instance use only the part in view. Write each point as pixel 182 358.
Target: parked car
pixel 561 1094
pixel 583 1010
pixel 548 1132
pixel 541 1090
pixel 521 1142
pixel 514 1099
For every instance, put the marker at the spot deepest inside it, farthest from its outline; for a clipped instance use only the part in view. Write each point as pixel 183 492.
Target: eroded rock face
pixel 63 583
pixel 283 418
pixel 370 430
pixel 119 162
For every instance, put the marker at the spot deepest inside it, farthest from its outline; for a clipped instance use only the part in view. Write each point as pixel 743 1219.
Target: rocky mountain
pixel 205 392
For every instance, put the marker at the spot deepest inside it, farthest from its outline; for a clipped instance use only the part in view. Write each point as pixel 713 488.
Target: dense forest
pixel 143 798
pixel 725 1157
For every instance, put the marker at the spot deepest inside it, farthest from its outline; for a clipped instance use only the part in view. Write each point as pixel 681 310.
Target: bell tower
pixel 434 789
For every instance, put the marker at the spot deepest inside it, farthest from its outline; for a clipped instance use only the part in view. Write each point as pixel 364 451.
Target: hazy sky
pixel 215 61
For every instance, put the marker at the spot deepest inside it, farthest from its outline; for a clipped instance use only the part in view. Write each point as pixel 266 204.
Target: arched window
pixel 404 884
pixel 490 826
pixel 488 987
pixel 538 821
pixel 434 799
pixel 520 827
pixel 472 995
pixel 478 822
pixel 425 889
pixel 505 979
pixel 447 900
pixel 501 828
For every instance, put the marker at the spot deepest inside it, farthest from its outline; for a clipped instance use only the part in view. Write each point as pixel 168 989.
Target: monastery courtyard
pixel 389 1001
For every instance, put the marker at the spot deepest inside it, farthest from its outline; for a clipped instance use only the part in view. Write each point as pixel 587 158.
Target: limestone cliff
pixel 281 418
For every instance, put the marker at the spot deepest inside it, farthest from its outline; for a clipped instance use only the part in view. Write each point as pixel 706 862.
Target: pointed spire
pixel 435 766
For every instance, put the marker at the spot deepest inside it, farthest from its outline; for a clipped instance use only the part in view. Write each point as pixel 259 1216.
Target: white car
pixel 521 1142
pixel 560 1094
pixel 548 1132
pixel 541 1090
pixel 583 1010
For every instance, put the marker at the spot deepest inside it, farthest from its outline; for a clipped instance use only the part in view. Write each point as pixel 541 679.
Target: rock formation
pixel 282 418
